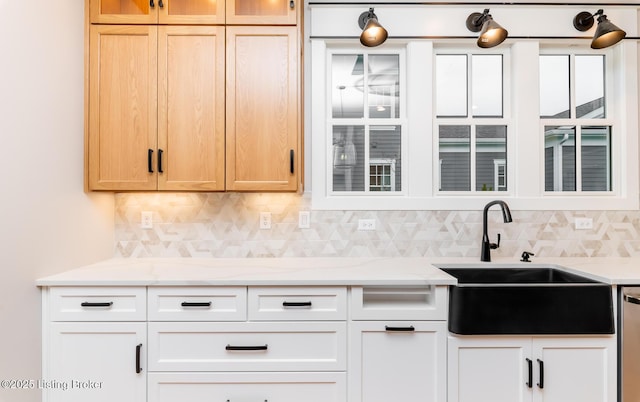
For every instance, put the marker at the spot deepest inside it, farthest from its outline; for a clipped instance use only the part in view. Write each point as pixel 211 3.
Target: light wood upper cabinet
pixel 191 118
pixel 156 108
pixel 180 100
pixel 157 11
pixel 261 12
pixel 262 108
pixel 122 107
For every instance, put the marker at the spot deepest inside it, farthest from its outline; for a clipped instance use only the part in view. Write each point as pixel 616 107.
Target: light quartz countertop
pixel 317 271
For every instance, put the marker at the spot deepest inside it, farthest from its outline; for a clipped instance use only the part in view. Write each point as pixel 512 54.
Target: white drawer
pixel 95 303
pixel 198 303
pixel 297 303
pixel 218 346
pixel 426 302
pixel 241 387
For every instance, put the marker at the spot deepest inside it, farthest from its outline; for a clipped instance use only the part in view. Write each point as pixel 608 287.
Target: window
pixel 577 131
pixel 472 131
pixel 366 129
pixel 424 123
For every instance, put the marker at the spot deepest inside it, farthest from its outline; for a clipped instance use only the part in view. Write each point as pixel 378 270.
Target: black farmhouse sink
pixel 500 300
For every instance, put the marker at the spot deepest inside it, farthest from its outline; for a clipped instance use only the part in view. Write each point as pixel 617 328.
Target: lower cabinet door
pixel 397 361
pixel 96 361
pixel 248 387
pixel 494 369
pixel 575 369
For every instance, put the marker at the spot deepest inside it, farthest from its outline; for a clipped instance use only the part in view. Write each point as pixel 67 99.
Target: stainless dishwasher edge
pixel 630 344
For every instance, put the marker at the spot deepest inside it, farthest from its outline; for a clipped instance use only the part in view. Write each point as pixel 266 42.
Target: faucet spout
pixel 487 246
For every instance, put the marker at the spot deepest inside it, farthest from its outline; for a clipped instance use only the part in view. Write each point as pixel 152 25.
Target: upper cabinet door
pixel 123 107
pixel 262 12
pixel 262 109
pixel 191 107
pixel 191 12
pixel 125 11
pixel 157 11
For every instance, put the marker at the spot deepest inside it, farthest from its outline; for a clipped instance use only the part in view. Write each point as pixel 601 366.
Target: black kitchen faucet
pixel 487 246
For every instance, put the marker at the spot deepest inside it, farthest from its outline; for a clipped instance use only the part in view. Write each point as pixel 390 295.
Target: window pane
pixel 348 158
pixel 347 77
pixel 486 85
pixel 455 158
pixel 383 85
pixel 590 87
pixel 451 85
pixel 385 158
pixel 491 156
pixel 596 158
pixel 554 86
pixel 560 158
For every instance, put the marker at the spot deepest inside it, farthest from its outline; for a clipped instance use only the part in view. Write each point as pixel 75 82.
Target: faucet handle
pixel 494 246
pixel 526 255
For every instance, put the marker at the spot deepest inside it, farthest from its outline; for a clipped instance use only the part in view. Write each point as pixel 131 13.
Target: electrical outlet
pixel 366 224
pixel 583 223
pixel 304 220
pixel 265 220
pixel 146 220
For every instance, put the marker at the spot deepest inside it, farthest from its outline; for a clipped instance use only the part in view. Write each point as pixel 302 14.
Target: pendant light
pixel 607 34
pixel 491 33
pixel 373 34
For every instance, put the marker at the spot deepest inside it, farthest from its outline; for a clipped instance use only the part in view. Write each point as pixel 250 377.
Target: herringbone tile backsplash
pixel 227 225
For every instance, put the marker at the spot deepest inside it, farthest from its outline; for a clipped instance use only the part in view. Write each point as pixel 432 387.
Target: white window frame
pixel 525 144
pixel 579 122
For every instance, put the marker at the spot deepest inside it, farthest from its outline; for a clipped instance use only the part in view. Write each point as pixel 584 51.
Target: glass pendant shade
pixel 344 155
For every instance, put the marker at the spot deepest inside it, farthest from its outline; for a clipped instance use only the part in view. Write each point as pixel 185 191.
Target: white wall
pixel 47 223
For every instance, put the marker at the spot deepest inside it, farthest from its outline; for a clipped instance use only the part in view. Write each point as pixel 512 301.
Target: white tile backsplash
pixel 227 225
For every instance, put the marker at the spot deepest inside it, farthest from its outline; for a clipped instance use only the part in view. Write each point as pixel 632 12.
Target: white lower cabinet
pixel 398 343
pixel 531 369
pixel 95 361
pixel 247 387
pixel 397 361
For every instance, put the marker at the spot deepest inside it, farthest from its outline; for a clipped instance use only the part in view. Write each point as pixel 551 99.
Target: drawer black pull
pixel 530 367
pixel 195 304
pixel 91 304
pixel 399 329
pixel 541 383
pixel 138 368
pixel 296 304
pixel 261 347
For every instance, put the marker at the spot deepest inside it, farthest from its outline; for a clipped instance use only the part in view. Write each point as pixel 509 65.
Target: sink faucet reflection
pixel 487 246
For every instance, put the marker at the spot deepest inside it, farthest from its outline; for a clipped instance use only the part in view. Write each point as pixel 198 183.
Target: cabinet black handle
pixel 92 304
pixel 530 365
pixel 138 368
pixel 151 4
pixel 195 304
pixel 541 383
pixel 160 4
pixel 150 158
pixel 292 4
pixel 296 304
pixel 291 160
pixel 260 347
pixel 399 329
pixel 160 152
